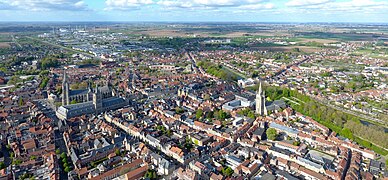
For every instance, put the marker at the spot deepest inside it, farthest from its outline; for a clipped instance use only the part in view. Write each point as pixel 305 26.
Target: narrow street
pixel 7 159
pixel 59 142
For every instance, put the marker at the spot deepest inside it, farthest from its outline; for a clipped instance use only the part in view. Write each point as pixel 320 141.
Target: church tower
pixel 90 92
pixel 97 100
pixel 65 90
pixel 260 102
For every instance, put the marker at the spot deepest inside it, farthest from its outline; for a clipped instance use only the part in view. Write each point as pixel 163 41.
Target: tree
pixel 255 74
pixel 16 161
pixel 271 134
pixel 57 151
pixel 247 112
pixel 32 157
pixel 44 82
pixel 67 169
pixel 2 165
pixel 169 133
pixel 154 176
pixel 21 101
pixel 49 62
pixel 179 110
pixel 296 143
pixel 347 133
pixel 199 114
pixel 73 101
pixel 44 73
pixel 63 155
pixel 222 115
pixel 151 174
pixel 227 171
pixel 327 74
pixel 117 152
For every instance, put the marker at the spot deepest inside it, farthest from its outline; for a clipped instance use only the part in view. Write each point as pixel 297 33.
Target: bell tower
pixel 97 100
pixel 65 90
pixel 260 102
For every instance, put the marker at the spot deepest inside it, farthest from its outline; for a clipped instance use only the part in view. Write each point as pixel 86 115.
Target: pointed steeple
pixel 65 90
pixel 64 77
pixel 260 90
pixel 96 91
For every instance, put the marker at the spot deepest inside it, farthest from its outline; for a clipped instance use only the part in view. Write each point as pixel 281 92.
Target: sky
pixel 365 11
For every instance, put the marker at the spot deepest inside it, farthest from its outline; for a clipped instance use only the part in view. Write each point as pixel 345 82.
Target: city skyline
pixel 371 11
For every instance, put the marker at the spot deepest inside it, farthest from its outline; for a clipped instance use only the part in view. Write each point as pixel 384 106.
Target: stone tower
pixel 260 102
pixel 65 90
pixel 97 100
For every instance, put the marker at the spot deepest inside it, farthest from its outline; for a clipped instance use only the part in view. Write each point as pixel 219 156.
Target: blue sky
pixel 374 11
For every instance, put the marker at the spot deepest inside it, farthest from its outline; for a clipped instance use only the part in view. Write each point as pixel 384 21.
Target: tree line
pixel 344 124
pixel 217 71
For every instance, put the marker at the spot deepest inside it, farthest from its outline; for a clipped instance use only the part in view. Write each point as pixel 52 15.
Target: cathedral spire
pixel 65 90
pixel 96 91
pixel 64 77
pixel 260 102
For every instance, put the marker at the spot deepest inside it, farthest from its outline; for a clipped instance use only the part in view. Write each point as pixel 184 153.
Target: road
pixel 291 100
pixel 194 62
pixel 288 66
pixel 49 111
pixel 16 42
pixel 64 47
pixel 229 68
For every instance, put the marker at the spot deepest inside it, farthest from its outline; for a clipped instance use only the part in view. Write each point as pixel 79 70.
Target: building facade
pixel 88 101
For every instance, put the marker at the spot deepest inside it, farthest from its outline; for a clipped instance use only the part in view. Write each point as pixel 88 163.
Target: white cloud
pixel 176 4
pixel 360 3
pixel 44 5
pixel 325 6
pixel 190 4
pixel 219 3
pixel 257 6
pixel 126 4
pixel 306 2
pixel 5 6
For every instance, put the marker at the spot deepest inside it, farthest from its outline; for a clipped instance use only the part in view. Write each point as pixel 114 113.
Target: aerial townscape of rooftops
pixel 183 101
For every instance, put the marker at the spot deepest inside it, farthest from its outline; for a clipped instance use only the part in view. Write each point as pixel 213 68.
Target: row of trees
pixel 347 125
pixel 377 133
pixel 339 121
pixel 217 71
pixel 65 164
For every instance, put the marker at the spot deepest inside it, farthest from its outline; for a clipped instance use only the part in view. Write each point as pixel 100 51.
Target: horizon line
pixel 145 21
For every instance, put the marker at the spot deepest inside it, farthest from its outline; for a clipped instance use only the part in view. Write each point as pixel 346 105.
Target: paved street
pixel 49 111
